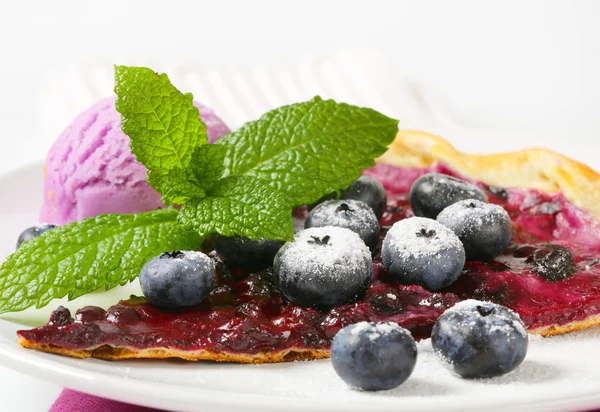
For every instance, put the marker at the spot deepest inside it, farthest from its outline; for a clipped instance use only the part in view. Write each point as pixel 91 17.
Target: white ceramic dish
pixel 559 374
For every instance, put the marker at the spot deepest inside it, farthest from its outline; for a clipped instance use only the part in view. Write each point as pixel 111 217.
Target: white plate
pixel 559 373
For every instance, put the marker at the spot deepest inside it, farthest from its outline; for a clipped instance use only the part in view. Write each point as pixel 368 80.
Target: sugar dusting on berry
pixel 362 214
pixel 507 323
pixel 193 255
pixel 471 214
pixel 421 237
pixel 374 330
pixel 351 214
pixel 329 247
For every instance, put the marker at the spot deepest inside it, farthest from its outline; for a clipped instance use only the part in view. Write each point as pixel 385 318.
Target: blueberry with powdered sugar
pixel 480 339
pixel 433 192
pixel 350 214
pixel 374 356
pixel 420 251
pixel 323 267
pixel 484 229
pixel 177 279
pixel 366 189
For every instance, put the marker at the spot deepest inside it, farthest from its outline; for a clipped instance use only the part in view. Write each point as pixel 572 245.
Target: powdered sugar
pixel 469 215
pixel 323 266
pixel 420 237
pixel 420 251
pixel 506 321
pixel 204 262
pixel 374 330
pixel 361 212
pixel 350 214
pixel 193 255
pixel 553 366
pixel 341 247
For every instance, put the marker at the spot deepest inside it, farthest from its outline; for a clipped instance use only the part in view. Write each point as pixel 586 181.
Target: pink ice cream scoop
pixel 90 169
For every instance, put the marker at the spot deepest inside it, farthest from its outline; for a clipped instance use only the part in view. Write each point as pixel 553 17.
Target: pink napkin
pixel 72 401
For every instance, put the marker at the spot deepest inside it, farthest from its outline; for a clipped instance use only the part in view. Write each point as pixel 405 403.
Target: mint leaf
pixel 163 124
pixel 208 164
pixel 176 186
pixel 82 257
pixel 240 206
pixel 309 149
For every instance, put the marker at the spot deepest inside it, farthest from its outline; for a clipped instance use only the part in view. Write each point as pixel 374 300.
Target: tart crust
pixel 111 353
pixel 552 330
pixel 536 168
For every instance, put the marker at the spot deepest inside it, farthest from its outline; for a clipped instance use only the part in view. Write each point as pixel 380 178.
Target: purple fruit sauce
pixel 246 314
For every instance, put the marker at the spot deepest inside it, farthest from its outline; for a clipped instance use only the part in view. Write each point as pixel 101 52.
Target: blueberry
pixel 553 262
pixel 330 196
pixel 374 356
pixel 370 191
pixel 245 254
pixel 420 251
pixel 177 279
pixel 323 267
pixel 480 339
pixel 350 214
pixel 33 232
pixel 484 229
pixel 433 192
pixel 365 189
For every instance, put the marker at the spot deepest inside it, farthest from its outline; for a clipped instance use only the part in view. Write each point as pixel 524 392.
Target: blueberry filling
pixel 553 263
pixel 245 311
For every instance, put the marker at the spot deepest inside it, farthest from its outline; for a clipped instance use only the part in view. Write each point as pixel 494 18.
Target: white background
pixel 526 66
pixel 530 66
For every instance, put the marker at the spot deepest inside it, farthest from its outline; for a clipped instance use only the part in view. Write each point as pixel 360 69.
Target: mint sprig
pixel 291 156
pixel 82 257
pixel 308 149
pixel 245 185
